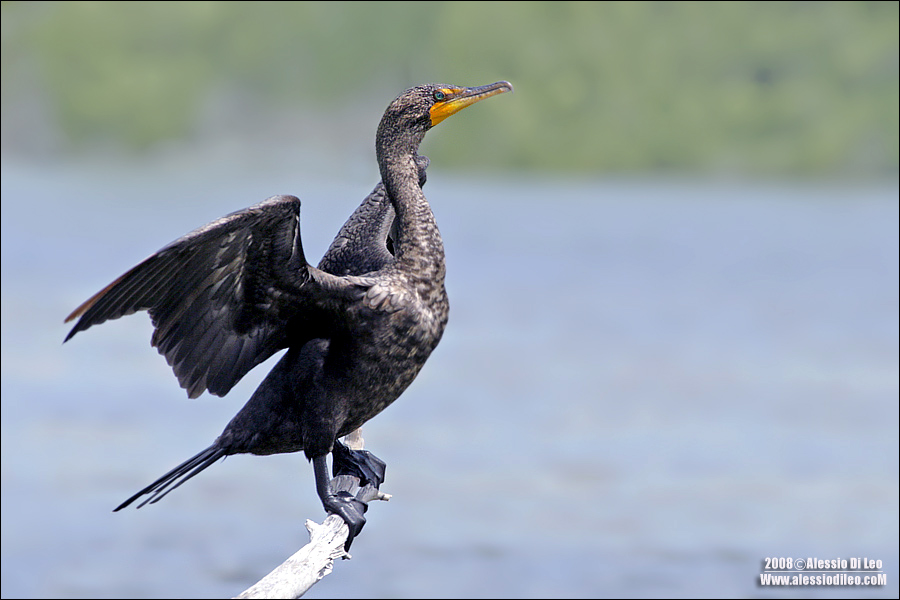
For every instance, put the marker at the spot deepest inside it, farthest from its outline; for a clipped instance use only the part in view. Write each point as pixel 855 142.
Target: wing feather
pixel 222 298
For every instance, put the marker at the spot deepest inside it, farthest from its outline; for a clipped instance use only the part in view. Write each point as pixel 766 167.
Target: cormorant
pixel 357 329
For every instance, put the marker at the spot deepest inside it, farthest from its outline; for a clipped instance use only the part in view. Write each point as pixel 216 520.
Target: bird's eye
pixel 439 95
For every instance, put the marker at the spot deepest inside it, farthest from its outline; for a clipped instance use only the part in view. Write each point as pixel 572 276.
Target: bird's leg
pixel 342 503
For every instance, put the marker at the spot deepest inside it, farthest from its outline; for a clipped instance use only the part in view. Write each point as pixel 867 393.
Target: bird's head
pixel 418 109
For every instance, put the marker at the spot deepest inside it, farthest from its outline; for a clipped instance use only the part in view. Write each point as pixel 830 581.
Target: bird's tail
pixel 171 480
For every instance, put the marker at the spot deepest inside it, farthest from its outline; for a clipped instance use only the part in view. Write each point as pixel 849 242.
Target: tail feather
pixel 174 478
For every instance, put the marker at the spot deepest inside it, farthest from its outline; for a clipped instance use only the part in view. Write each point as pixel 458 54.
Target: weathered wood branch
pixel 315 560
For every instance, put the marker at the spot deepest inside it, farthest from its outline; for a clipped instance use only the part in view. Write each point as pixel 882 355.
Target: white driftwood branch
pixel 315 560
pixel 354 440
pixel 310 564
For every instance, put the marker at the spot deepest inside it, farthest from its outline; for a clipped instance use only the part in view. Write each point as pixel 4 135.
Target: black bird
pixel 357 329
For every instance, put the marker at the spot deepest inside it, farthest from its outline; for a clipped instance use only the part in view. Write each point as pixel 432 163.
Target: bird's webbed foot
pixel 342 495
pixel 362 464
pixel 351 510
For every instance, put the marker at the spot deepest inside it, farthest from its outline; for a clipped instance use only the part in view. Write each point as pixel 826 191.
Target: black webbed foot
pixel 351 510
pixel 342 495
pixel 362 464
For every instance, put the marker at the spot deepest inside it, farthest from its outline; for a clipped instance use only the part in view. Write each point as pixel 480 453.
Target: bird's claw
pixel 357 474
pixel 351 510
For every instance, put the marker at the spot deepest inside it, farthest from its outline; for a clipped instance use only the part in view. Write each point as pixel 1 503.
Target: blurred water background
pixel 672 264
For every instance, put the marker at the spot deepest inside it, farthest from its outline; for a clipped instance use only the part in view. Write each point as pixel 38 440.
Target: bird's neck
pixel 419 247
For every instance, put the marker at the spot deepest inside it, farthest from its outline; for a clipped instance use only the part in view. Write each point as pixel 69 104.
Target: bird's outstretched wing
pixel 224 297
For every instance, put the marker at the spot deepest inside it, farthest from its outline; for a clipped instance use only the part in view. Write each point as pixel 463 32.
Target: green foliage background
pixel 753 88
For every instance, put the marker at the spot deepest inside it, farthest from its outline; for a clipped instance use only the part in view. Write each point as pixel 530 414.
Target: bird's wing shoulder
pixel 366 241
pixel 361 246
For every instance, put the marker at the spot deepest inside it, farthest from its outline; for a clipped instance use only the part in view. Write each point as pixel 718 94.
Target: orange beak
pixel 456 99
